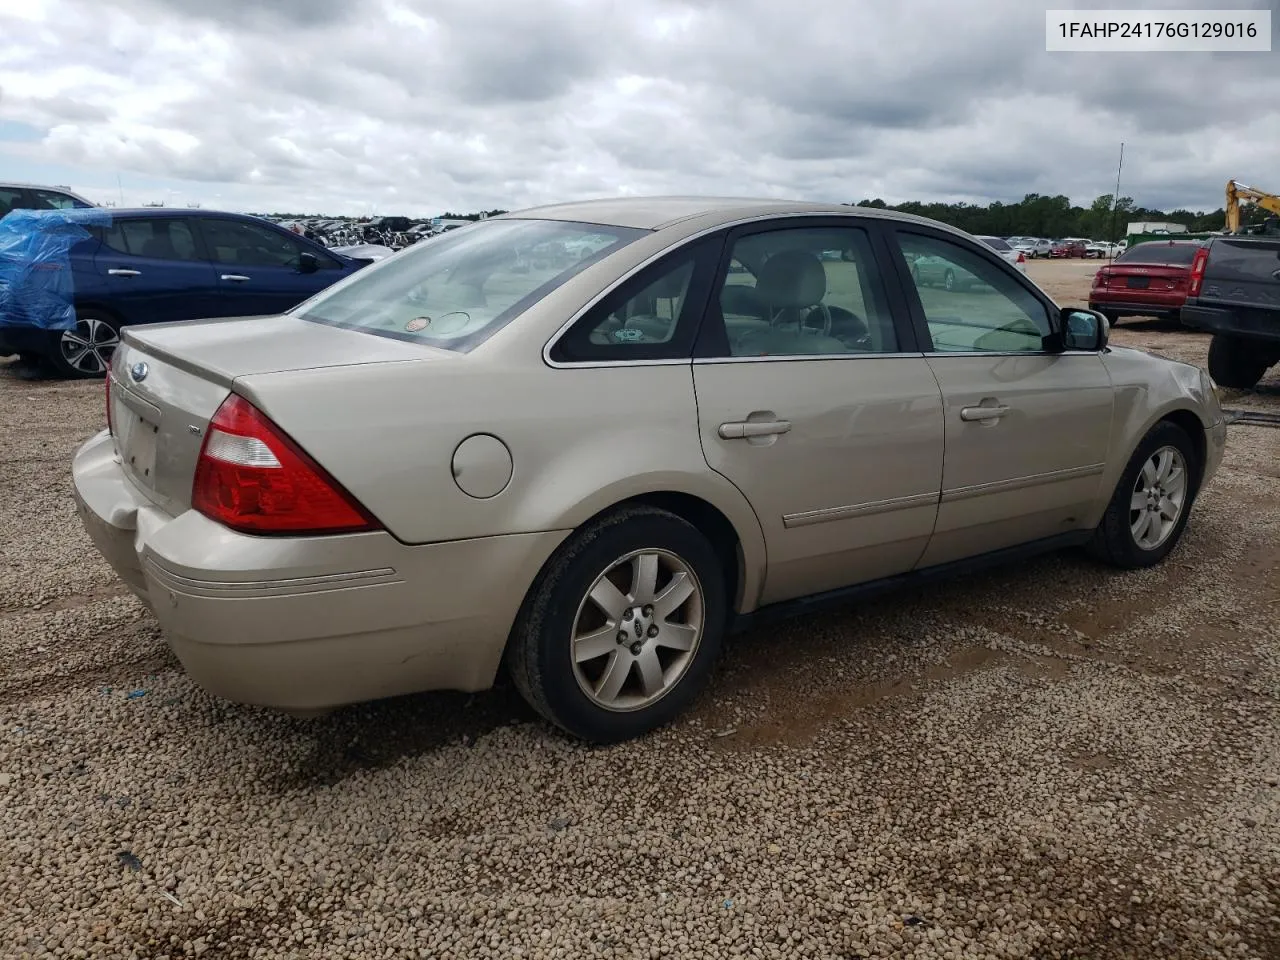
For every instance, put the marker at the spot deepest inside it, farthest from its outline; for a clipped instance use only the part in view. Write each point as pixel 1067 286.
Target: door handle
pixel 982 413
pixel 743 429
pixel 122 272
pixel 237 277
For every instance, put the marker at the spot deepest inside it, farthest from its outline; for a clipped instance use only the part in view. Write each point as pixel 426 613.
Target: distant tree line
pixel 1036 215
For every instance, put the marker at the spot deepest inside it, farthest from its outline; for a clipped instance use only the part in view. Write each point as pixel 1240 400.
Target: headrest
pixel 792 278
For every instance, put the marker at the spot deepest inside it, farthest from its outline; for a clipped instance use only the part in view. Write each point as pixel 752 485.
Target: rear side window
pixel 159 238
pixel 53 200
pixel 1175 254
pixel 652 316
pixel 995 243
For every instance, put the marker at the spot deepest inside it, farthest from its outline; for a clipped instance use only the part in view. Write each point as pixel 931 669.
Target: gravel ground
pixel 1043 762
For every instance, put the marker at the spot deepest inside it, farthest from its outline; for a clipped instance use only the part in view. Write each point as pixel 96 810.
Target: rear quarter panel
pixel 581 440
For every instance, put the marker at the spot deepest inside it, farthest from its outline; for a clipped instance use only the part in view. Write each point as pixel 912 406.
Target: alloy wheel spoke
pixel 645 584
pixel 1164 465
pixel 677 636
pixel 73 337
pixel 1150 473
pixel 1138 501
pixel 651 679
pixel 673 595
pixel 614 676
pixel 1142 526
pixel 1176 481
pixel 609 598
pixel 596 644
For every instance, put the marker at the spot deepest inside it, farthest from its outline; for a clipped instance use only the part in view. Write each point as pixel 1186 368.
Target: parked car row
pixel 1066 248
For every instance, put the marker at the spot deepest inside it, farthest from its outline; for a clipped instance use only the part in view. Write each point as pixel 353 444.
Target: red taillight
pixel 253 478
pixel 110 427
pixel 1021 257
pixel 1100 278
pixel 1197 271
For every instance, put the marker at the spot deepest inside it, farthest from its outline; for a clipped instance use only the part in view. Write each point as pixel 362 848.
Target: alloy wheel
pixel 1159 497
pixel 89 346
pixel 637 630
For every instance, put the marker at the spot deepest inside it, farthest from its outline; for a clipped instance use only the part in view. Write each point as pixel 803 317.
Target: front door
pixel 811 402
pixel 1027 429
pixel 259 268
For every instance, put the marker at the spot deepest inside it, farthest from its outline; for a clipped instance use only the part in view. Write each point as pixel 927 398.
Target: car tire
pixel 1236 362
pixel 949 280
pixel 560 626
pixel 1123 539
pixel 84 352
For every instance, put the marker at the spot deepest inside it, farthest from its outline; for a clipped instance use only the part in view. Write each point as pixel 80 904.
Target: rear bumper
pixel 1250 324
pixel 1138 304
pixel 309 623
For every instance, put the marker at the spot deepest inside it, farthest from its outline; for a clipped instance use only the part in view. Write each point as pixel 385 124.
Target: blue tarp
pixel 36 286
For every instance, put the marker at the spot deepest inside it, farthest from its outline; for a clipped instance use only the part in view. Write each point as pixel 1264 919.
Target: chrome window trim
pixel 725 226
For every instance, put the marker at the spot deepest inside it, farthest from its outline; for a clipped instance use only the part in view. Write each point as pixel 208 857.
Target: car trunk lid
pixel 1144 276
pixel 168 380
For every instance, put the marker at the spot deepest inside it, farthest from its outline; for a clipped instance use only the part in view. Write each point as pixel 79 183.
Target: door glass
pixel 160 238
pixel 249 245
pixel 52 200
pixel 9 198
pixel 650 317
pixel 802 292
pixel 970 303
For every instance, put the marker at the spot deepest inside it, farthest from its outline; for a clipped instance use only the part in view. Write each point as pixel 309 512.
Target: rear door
pixel 152 271
pixel 259 268
pixel 1027 429
pixel 815 402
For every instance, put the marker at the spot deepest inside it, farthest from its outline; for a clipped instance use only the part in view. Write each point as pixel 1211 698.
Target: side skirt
pixel 849 596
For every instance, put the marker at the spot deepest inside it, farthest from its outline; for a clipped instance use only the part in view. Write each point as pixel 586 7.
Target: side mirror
pixel 307 263
pixel 1084 330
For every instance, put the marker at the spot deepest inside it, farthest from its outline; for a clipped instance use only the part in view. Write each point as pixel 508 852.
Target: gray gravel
pixel 1045 762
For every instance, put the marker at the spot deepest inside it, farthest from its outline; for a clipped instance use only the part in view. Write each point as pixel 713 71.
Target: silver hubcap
pixel 89 346
pixel 1158 498
pixel 637 630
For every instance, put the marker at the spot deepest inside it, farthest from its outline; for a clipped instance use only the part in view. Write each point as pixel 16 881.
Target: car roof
pixel 180 212
pixel 655 213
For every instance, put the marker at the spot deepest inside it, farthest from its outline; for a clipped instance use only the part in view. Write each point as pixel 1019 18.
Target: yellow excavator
pixel 1238 195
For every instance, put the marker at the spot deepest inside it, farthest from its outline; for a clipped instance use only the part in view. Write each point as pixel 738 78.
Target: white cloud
pixel 416 106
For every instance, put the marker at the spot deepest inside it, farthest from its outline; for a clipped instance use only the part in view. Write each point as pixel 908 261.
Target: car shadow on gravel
pixel 380 734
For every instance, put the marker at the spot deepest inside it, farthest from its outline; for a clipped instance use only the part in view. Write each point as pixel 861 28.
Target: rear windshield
pixel 458 289
pixel 1159 252
pixel 995 243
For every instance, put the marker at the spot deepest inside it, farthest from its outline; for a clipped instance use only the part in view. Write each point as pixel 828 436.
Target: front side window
pixel 159 238
pixel 969 303
pixel 456 290
pixel 804 291
pixel 235 243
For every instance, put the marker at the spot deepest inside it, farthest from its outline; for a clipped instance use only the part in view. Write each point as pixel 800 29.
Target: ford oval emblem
pixel 139 372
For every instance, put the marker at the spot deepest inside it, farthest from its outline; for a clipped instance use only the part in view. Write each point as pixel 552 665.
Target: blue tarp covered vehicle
pixel 36 285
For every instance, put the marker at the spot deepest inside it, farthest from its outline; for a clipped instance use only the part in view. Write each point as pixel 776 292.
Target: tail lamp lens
pixel 253 478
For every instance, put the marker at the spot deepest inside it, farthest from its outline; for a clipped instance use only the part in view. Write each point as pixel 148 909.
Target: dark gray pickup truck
pixel 1235 295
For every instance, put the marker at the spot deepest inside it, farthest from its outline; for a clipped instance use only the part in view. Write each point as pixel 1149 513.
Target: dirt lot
pixel 1048 761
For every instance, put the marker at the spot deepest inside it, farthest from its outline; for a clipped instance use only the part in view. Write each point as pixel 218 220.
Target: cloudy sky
pixel 418 106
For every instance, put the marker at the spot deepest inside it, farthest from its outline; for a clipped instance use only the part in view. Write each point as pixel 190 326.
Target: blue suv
pixel 155 265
